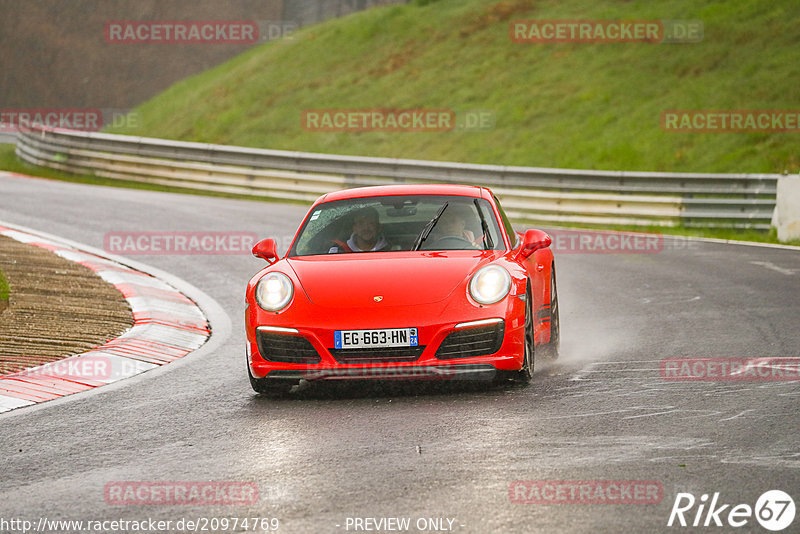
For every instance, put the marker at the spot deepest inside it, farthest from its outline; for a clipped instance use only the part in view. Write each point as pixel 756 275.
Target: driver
pixel 367 234
pixel 454 224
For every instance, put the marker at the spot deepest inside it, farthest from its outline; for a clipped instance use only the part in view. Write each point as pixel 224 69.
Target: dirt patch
pixel 493 14
pixel 56 308
pixel 395 61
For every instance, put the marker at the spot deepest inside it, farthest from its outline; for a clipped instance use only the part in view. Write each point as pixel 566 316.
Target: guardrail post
pixel 786 217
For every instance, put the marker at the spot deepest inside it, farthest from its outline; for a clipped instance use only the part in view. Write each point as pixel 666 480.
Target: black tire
pixel 525 374
pixel 269 388
pixel 550 349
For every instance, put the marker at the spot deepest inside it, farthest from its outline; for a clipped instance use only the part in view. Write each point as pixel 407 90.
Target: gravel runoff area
pixel 57 308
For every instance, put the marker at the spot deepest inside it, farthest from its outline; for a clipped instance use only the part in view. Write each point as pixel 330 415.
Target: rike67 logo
pixel 774 510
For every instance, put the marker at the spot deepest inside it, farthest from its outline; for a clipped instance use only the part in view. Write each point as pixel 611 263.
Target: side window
pixel 512 235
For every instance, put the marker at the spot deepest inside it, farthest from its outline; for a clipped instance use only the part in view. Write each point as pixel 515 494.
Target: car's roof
pixel 406 189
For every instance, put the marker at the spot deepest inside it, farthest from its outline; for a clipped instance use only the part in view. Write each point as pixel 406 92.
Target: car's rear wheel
pixel 550 349
pixel 269 387
pixel 526 373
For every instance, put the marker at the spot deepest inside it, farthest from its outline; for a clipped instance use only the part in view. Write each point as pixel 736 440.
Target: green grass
pixel 4 289
pixel 575 105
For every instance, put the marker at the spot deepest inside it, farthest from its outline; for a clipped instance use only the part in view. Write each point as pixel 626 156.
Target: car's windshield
pixel 398 223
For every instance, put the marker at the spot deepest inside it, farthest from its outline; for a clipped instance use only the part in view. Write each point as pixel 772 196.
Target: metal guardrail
pixel 527 193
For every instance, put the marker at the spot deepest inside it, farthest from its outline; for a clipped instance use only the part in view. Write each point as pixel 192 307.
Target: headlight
pixel 274 291
pixel 490 284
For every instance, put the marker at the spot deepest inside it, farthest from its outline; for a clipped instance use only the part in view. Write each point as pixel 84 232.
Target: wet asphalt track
pixel 329 453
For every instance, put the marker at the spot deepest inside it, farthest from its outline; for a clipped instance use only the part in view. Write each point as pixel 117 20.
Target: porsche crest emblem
pixel 377 298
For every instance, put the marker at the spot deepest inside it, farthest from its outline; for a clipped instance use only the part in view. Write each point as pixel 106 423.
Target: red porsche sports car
pixel 402 282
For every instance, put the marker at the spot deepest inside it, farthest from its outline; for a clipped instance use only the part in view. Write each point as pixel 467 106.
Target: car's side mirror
pixel 265 249
pixel 533 241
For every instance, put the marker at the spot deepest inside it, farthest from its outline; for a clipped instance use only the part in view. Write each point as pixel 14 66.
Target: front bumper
pixel 472 350
pixel 425 372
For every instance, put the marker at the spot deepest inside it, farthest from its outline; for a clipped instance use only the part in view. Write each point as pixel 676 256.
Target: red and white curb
pixel 167 326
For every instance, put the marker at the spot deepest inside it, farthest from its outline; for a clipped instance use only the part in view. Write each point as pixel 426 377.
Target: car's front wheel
pixel 526 373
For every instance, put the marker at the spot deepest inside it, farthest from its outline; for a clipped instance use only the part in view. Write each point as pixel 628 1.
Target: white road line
pixel 736 416
pixel 771 266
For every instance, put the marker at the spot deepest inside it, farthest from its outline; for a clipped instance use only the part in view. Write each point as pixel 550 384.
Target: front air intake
pixel 469 342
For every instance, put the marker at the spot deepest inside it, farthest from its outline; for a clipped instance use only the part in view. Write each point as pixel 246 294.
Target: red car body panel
pixel 326 280
pixel 427 290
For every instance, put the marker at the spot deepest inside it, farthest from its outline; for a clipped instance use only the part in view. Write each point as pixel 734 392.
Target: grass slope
pixel 574 105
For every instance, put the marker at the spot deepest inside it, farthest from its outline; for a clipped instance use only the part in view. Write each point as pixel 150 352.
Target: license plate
pixel 388 337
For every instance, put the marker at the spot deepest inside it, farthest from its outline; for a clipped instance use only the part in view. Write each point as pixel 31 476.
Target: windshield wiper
pixel 423 235
pixel 487 240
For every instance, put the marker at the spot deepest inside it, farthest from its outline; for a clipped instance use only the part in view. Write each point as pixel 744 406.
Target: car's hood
pixel 400 278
